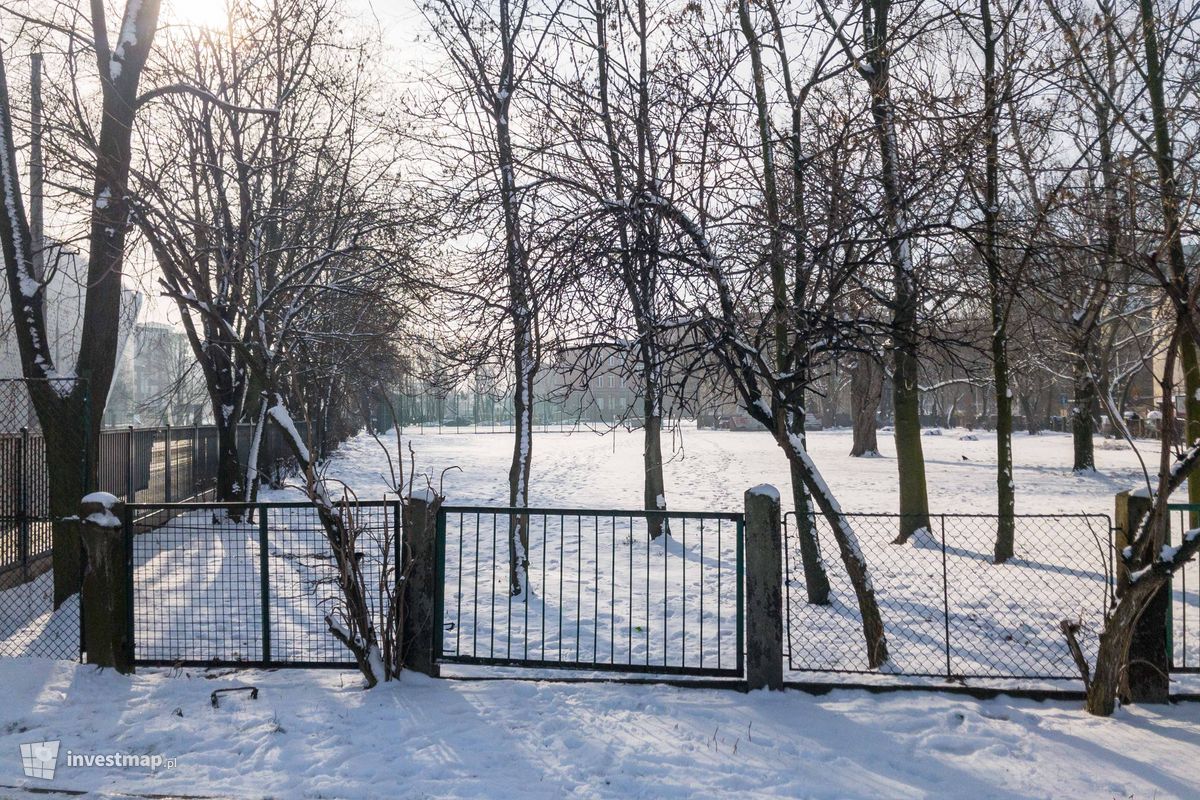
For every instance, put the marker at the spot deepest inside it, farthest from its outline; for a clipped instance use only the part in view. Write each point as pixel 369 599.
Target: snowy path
pixel 315 734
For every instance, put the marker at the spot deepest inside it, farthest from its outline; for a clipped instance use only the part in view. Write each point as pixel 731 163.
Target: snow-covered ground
pixel 314 734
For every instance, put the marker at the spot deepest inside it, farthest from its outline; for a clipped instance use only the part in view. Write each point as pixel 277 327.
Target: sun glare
pixel 198 13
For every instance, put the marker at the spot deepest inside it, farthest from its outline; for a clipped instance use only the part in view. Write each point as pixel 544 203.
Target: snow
pixel 127 39
pixel 316 734
pixel 101 498
pixel 426 495
pixel 104 519
pixel 283 419
pixel 765 490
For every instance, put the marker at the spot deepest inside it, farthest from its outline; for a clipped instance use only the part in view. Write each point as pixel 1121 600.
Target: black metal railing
pixel 948 610
pixel 209 589
pixel 601 593
pixel 168 464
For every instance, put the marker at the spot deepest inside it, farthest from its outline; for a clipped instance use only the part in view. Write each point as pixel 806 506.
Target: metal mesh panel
pixel 211 590
pixel 947 609
pixel 196 590
pixel 1004 618
pixel 908 584
pixel 302 576
pixel 602 593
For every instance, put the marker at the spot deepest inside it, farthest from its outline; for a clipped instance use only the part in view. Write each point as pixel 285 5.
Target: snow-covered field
pixel 314 734
pixel 1003 620
pixel 710 470
pixel 602 592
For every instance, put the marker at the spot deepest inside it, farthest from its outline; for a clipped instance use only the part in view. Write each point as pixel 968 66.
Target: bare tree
pixel 70 399
pixel 493 49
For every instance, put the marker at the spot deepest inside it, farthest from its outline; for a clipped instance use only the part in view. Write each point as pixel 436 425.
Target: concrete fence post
pixel 105 595
pixel 1148 675
pixel 764 589
pixel 419 571
pixel 1131 509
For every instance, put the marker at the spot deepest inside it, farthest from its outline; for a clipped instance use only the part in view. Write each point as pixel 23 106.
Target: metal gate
pixel 602 592
pixel 1183 620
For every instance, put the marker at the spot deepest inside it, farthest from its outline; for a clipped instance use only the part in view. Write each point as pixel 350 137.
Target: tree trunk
pixel 906 336
pixel 816 581
pixel 852 557
pixel 866 390
pixel 910 458
pixel 787 355
pixel 71 413
pixel 229 462
pixel 1005 490
pixel 655 494
pixel 518 473
pixel 1191 389
pixel 71 458
pixel 830 401
pixel 1083 422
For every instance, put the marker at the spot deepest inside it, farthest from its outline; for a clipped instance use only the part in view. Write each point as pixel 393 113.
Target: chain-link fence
pixel 29 623
pixel 948 610
pixel 458 412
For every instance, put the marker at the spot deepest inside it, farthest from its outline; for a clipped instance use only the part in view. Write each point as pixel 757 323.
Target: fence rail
pixel 602 592
pixel 948 610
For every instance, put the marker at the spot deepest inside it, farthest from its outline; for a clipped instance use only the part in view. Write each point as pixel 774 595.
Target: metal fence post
pixel 439 586
pixel 764 589
pixel 127 524
pixel 167 463
pixel 129 498
pixel 264 584
pixel 946 600
pixel 23 503
pixel 195 488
